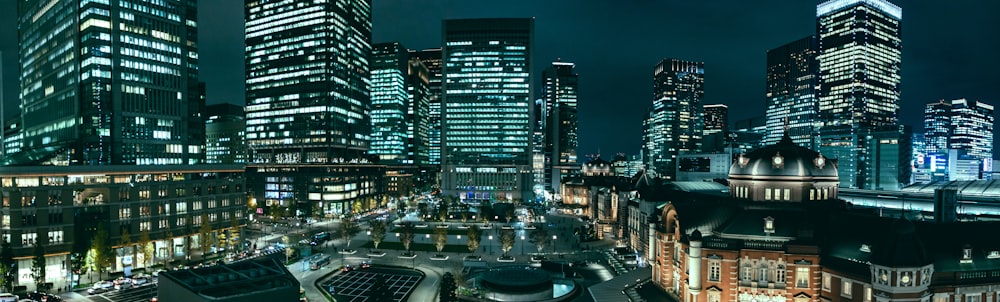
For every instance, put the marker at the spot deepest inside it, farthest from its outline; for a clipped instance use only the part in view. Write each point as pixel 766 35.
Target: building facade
pixel 62 208
pixel 431 58
pixel 486 124
pixel 400 113
pixel 856 101
pixel 560 85
pixel 716 118
pixel 963 125
pixel 110 82
pixel 307 76
pixel 224 132
pixel 792 83
pixel 309 107
pixel 675 121
pixel 806 245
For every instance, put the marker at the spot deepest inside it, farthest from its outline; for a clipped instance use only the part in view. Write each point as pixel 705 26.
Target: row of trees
pixel 99 254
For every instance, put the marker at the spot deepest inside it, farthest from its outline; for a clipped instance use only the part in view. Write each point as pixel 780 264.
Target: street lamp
pixel 522 245
pixel 554 243
pixel 491 244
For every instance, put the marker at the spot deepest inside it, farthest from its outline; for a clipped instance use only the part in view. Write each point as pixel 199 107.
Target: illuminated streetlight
pixel 554 243
pixel 491 244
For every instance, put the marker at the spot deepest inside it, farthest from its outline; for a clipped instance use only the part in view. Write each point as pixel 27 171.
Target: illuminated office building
pixel 859 63
pixel 962 125
pixel 716 118
pixel 109 82
pixel 308 106
pixel 389 101
pixel 792 80
pixel 559 84
pixel 675 121
pixel 486 126
pixel 431 58
pixel 224 128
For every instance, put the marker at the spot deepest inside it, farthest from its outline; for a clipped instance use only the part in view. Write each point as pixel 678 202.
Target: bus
pixel 319 261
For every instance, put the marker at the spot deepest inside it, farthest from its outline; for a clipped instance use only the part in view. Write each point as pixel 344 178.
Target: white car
pixel 100 287
pixel 6 297
pixel 140 280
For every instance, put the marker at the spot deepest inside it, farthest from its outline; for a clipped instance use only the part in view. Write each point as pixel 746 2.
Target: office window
pixel 55 236
pixel 845 288
pixel 28 239
pixel 124 213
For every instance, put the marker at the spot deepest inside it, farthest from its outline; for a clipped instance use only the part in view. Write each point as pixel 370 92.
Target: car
pixel 43 297
pixel 100 287
pixel 366 264
pixel 123 283
pixel 8 297
pixel 348 268
pixel 140 280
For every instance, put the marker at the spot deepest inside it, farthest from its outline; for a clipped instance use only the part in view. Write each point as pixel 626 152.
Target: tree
pixel 440 238
pixel 448 288
pixel 406 236
pixel 205 235
pixel 378 232
pixel 474 235
pixel 146 245
pixel 540 238
pixel 38 267
pixel 125 242
pixel 348 229
pixel 8 268
pixel 102 254
pixel 509 213
pixel 507 240
pixel 443 210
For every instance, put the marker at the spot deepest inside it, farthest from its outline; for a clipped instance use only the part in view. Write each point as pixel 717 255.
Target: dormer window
pixel 769 225
pixel 993 255
pixel 966 255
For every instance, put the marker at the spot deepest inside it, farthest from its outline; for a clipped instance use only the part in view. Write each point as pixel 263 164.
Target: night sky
pixel 951 49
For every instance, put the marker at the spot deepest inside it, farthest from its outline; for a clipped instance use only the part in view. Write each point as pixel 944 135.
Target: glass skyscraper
pixel 963 125
pixel 792 80
pixel 390 65
pixel 307 81
pixel 308 107
pixel 560 84
pixel 675 122
pixel 109 82
pixel 859 62
pixel 486 124
pixel 432 60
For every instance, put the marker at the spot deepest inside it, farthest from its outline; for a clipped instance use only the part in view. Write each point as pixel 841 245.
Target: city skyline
pixel 937 35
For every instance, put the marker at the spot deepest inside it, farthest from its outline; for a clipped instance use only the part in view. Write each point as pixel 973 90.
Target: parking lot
pixel 134 294
pixel 353 286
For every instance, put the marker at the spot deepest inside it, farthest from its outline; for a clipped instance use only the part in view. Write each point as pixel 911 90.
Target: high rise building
pixel 559 85
pixel 418 112
pixel 432 60
pixel 224 130
pixel 109 82
pixel 891 153
pixel 308 107
pixel 859 63
pixel 486 126
pixel 966 126
pixel 792 80
pixel 675 120
pixel 389 95
pixel 716 118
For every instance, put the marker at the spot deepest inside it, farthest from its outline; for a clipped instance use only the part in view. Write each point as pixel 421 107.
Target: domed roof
pixel 784 159
pixel 598 162
pixel 901 247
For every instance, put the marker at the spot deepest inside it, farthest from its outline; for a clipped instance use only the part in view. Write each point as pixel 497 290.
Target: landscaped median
pixel 418 247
